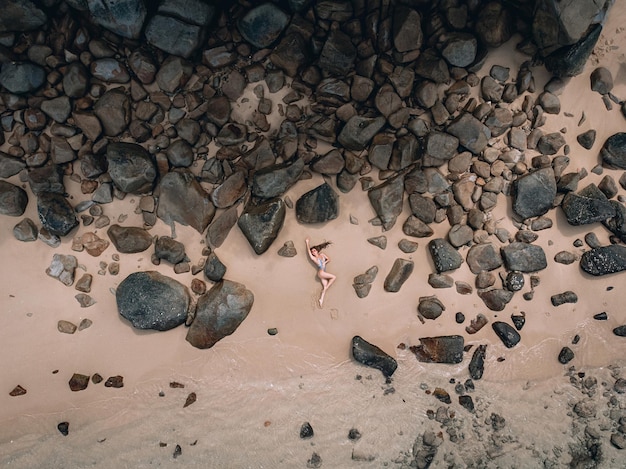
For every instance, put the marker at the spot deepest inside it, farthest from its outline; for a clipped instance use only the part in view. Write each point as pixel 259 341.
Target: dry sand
pixel 254 390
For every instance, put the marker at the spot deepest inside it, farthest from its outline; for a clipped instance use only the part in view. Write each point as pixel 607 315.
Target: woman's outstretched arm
pixel 308 250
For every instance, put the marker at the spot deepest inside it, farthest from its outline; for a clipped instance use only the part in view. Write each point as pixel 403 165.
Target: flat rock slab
pixel 441 349
pixel 524 257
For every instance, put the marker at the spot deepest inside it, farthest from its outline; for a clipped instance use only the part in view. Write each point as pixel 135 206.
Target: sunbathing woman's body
pixel 321 260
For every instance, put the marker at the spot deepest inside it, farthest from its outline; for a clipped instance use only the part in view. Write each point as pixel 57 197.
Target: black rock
pixel 318 205
pixel 263 24
pixel 64 428
pixel 601 316
pixel 604 260
pixel 587 139
pixel 467 402
pixel 534 194
pixel 214 269
pixel 570 61
pixel 273 181
pixel 459 318
pixel 589 205
pixel 509 336
pixel 22 77
pixel 359 132
pixel 354 434
pixel 338 54
pixel 566 355
pixel 167 248
pixel 613 152
pixel 150 300
pixel 131 167
pixel 620 331
pixel 306 430
pixel 399 273
pixel 563 298
pixel 444 255
pixel 477 364
pixel 372 356
pixel 524 257
pixel 387 200
pixel 55 213
pixel 472 134
pixel 518 320
pixel 13 199
pixel 261 223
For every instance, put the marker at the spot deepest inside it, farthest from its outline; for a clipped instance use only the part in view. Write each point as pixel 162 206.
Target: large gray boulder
pixel 273 181
pixel 318 205
pixel 263 24
pixel 604 260
pixel 589 205
pixel 613 152
pixel 524 257
pixel 387 200
pixel 22 77
pixel 150 300
pixel 219 313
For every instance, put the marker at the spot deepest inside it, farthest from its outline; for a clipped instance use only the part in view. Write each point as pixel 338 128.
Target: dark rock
pixel 263 24
pixel 354 434
pixel 431 66
pixel 565 257
pixel 55 213
pixel 494 24
pixel 359 132
pixel 274 181
pixel 589 205
pixel 169 249
pixel 329 163
pixel 459 318
pixel 113 111
pixel 601 316
pixel 176 36
pixel 13 199
pixel 604 260
pixel 290 54
pixel 563 298
pixel 378 241
pixel 214 269
pixel 430 307
pixel 318 205
pixel 413 226
pixel 338 54
pixel 509 336
pixel 440 280
pixel 472 133
pixel 22 77
pixel 570 60
pixel 496 299
pixel 260 223
pixel 21 16
pixel 129 239
pixel 114 382
pixel 315 461
pixel 620 331
pixel 123 17
pixel 173 74
pixel 131 167
pixel 467 402
pixel 109 70
pixel 442 395
pixel 370 355
pixel 550 144
pixel 518 320
pixel 613 151
pixel 442 349
pixel 399 273
pixel 407 246
pixel 180 154
pixel 407 29
pixel 524 257
pixel 565 355
pixel 78 382
pixel 587 139
pixel 10 165
pixel 601 80
pixel 48 178
pixel 221 226
pixel 483 257
pixel 183 200
pixel 444 255
pixel 459 49
pixel 230 191
pixel 150 300
pixel 534 193
pixel 306 430
pixel 219 313
pixel 477 364
pixel 64 428
pixel 514 281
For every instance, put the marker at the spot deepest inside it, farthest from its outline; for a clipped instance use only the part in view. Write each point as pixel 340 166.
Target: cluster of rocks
pixel 133 98
pixel 79 381
pixel 124 99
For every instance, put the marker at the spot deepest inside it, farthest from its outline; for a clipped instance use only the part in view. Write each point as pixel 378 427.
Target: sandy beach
pixel 255 390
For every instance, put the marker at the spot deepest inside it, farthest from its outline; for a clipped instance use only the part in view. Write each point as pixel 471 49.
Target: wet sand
pixel 255 390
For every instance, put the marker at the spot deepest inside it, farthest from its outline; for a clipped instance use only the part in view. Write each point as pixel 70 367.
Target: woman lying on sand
pixel 320 260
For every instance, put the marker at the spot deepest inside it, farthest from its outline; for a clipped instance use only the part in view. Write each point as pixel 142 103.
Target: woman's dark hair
pixel 319 247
